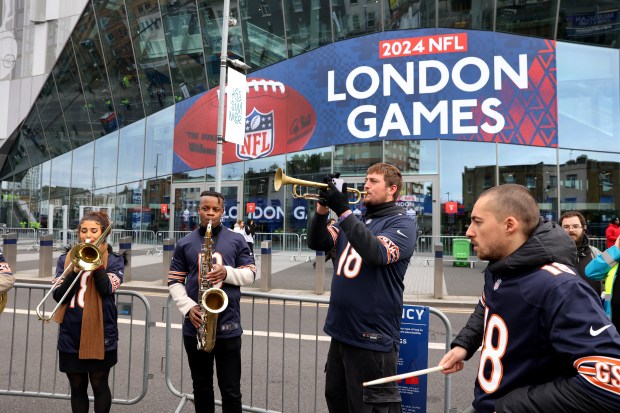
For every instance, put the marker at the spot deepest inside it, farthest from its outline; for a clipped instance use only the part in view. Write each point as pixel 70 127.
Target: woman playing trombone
pixel 88 332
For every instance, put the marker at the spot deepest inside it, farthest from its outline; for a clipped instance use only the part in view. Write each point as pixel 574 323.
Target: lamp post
pixel 157 164
pixel 448 196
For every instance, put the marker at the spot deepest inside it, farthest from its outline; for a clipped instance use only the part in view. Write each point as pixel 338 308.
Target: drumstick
pixel 403 376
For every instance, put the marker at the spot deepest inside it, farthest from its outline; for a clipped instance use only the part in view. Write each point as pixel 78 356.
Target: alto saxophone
pixel 213 300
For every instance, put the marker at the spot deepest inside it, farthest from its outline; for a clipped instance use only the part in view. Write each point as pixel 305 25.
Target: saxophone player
pixel 232 267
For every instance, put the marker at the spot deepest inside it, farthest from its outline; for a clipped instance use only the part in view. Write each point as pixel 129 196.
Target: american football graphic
pixel 278 120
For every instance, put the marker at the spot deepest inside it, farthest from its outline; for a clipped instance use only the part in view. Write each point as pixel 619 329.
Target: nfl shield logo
pixel 258 141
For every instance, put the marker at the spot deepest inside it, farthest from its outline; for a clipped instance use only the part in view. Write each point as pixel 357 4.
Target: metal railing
pixel 283 354
pixel 28 367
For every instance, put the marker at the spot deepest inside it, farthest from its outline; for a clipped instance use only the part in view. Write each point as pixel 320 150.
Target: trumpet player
pixel 88 331
pixel 232 267
pixel 372 253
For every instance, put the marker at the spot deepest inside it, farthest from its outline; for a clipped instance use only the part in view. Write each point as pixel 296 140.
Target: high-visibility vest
pixel 609 283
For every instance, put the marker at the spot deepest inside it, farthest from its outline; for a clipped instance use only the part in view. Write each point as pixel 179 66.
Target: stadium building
pixel 114 105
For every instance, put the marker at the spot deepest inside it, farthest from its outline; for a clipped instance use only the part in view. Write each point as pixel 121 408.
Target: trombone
pixel 85 257
pixel 282 179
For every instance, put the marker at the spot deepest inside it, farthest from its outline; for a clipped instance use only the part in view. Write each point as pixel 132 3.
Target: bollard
pixel 46 255
pixel 319 273
pixel 9 249
pixel 124 247
pixel 265 266
pixel 168 251
pixel 438 284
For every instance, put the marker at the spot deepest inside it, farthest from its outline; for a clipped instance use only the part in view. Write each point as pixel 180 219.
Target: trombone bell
pixel 281 179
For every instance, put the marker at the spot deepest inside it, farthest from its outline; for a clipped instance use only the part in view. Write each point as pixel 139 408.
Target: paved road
pixel 460 289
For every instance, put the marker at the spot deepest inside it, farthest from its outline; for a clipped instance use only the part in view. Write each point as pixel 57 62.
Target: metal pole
pixel 222 97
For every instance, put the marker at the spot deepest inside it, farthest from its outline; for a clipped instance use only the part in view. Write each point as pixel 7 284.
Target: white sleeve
pixel 239 276
pixel 181 299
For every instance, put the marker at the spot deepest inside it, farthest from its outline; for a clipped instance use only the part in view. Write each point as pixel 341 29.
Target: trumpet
pixel 85 257
pixel 282 179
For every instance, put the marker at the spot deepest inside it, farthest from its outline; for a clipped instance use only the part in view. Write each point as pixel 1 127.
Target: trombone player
pixel 88 331
pixel 371 256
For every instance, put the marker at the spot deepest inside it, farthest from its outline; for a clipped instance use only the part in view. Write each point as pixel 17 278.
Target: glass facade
pixel 101 132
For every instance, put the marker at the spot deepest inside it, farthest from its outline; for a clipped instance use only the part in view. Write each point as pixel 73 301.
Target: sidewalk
pixel 291 275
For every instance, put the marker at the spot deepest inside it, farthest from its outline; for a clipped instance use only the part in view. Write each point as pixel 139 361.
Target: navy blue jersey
pixel 366 299
pixel 542 326
pixel 71 328
pixel 230 249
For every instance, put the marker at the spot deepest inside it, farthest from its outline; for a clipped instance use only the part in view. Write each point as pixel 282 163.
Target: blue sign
pixel 413 356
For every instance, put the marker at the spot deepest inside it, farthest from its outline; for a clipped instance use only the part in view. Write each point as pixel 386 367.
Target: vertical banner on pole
pixel 236 92
pixel 413 355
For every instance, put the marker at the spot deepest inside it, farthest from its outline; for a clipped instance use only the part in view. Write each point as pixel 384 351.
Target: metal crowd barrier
pixel 283 354
pixel 282 241
pixel 29 359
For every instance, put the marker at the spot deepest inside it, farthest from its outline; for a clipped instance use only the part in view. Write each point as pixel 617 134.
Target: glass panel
pixel 128 208
pixel 230 172
pixel 34 138
pixel 156 201
pixel 72 99
pixel 463 14
pixel 106 153
pixel 309 25
pixel 533 168
pixel 356 158
pixel 262 24
pixel 412 157
pixel 120 63
pixel 91 66
pixel 52 120
pixel 596 23
pixel 159 140
pixel 197 175
pixel 527 18
pixel 79 199
pixel 18 155
pixel 36 191
pixel 258 188
pixel 588 97
pixel 589 183
pixel 467 169
pixel 106 199
pixel 81 175
pixel 186 202
pixel 185 49
pixel 417 198
pixel 353 19
pixel 210 13
pixel 151 54
pixel 131 158
pixel 59 192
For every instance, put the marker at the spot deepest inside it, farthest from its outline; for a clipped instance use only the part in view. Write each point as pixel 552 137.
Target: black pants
pixel 348 367
pixel 227 356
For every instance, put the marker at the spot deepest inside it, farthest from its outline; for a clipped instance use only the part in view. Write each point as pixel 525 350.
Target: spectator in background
pixel 250 230
pixel 605 267
pixel 612 232
pixel 574 224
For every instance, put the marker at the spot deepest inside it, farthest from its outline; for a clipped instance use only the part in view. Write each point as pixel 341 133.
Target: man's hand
pixel 452 361
pixel 337 201
pixel 328 178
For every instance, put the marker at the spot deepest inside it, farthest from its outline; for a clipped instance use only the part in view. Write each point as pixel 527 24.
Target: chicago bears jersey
pixel 366 299
pixel 70 330
pixel 544 326
pixel 230 249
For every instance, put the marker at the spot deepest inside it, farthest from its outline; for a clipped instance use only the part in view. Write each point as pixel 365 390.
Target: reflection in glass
pixel 532 167
pixel 476 14
pixel 52 120
pixel 356 158
pixel 309 26
pixel 106 153
pixel 210 14
pixel 81 174
pixel 595 24
pixel 467 169
pixel 71 97
pixel 131 158
pixel 589 183
pixel 185 49
pixel 527 18
pixel 119 59
pixel 405 155
pixel 90 64
pixel 151 54
pixel 258 189
pixel 159 140
pixel 262 24
pixel 588 98
pixel 60 182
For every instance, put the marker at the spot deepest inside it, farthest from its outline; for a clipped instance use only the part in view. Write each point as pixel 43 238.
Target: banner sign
pixel 235 107
pixel 413 355
pixel 405 84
